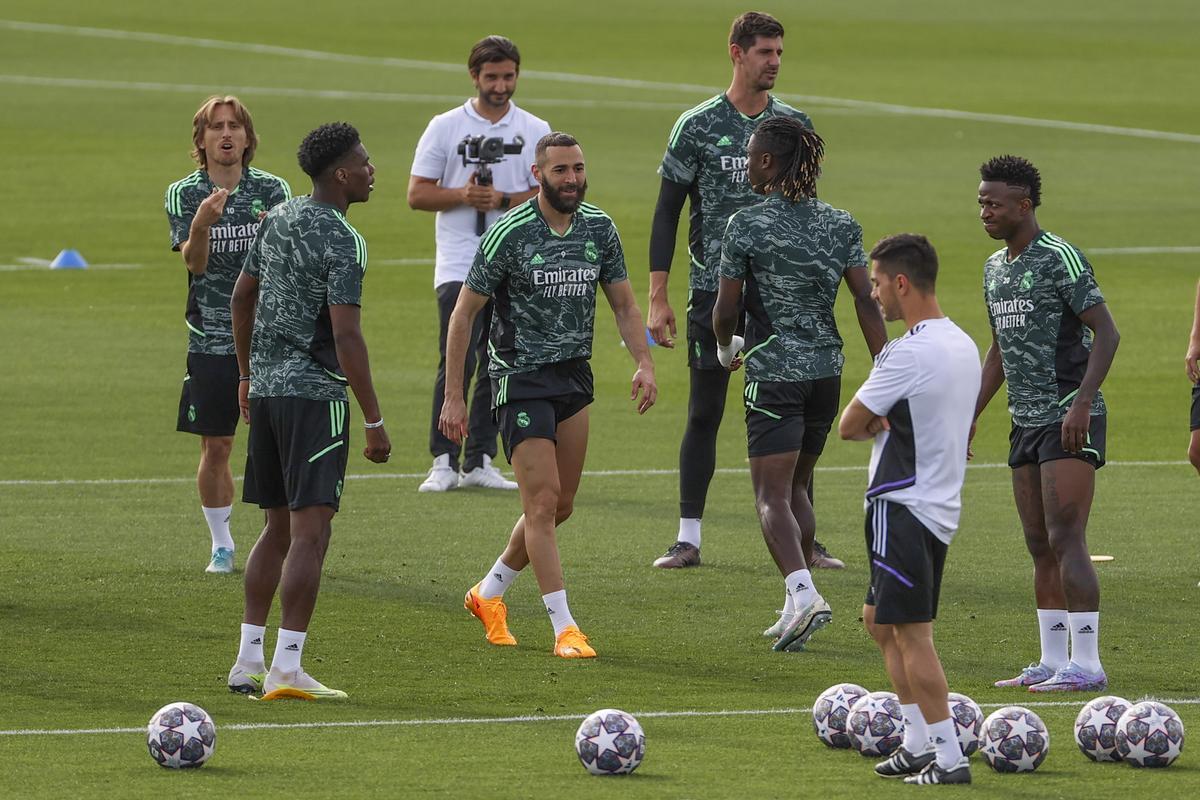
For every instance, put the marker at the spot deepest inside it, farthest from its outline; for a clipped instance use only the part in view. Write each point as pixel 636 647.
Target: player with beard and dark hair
pixel 541 265
pixel 1053 341
pixel 296 311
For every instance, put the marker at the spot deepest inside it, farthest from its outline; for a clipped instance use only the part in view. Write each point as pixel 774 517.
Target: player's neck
pixel 1021 239
pixel 920 309
pixel 747 100
pixel 559 222
pixel 489 112
pixel 227 177
pixel 330 197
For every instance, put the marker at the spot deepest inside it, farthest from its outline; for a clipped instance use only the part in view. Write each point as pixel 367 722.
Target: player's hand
pixel 1075 427
pixel 729 354
pixel 970 441
pixel 244 400
pixel 211 208
pixel 877 424
pixel 481 198
pixel 661 322
pixel 453 420
pixel 379 446
pixel 1193 355
pixel 644 383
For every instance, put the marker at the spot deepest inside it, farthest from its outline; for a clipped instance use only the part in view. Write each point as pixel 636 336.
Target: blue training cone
pixel 650 338
pixel 68 259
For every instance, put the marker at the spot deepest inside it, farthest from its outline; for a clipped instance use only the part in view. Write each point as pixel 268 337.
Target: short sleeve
pixel 892 379
pixel 347 260
pixel 1074 280
pixel 429 161
pixel 179 218
pixel 681 161
pixel 856 255
pixel 612 263
pixel 735 249
pixel 486 273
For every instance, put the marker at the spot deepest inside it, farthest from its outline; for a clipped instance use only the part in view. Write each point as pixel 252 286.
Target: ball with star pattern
pixel 181 735
pixel 1096 727
pixel 876 724
pixel 1149 734
pixel 1014 740
pixel 832 710
pixel 610 742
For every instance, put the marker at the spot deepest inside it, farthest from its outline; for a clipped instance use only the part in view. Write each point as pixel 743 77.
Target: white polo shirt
pixel 925 383
pixel 437 158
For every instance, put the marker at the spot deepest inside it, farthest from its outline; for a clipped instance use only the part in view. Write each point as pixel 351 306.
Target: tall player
pixel 214 215
pixel 1053 341
pixel 705 162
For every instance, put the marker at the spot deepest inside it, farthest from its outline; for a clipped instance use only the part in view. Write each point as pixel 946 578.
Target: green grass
pixel 105 614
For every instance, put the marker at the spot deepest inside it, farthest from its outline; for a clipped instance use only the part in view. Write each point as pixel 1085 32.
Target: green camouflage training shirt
pixel 544 285
pixel 306 257
pixel 791 257
pixel 207 310
pixel 707 152
pixel 1033 305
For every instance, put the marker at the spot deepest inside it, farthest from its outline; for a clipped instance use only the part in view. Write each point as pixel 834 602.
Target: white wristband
pixel 725 353
pixel 373 425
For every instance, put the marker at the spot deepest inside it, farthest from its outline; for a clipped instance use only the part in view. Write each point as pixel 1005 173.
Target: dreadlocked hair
pixel 1014 171
pixel 798 151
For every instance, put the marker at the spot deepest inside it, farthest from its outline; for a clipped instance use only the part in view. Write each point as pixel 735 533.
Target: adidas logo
pixel 256 640
pixel 293 647
pixel 537 260
pixel 550 611
pixel 1058 626
pixel 939 740
pixel 724 141
pixel 800 587
pixel 498 576
pixel 1086 629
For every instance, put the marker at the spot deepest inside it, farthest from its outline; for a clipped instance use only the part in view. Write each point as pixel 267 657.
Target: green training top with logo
pixel 207 312
pixel 1033 305
pixel 306 257
pixel 706 151
pixel 792 257
pixel 544 285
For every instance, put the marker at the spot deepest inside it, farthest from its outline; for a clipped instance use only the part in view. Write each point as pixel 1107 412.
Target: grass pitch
pixel 105 614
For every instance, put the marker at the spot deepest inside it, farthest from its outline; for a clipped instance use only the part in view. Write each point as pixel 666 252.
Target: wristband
pixel 373 425
pixel 243 378
pixel 505 202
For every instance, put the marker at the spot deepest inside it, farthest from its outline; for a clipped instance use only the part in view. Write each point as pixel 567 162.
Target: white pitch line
pixel 1138 251
pixel 46 268
pixel 595 80
pixel 394 723
pixel 596 473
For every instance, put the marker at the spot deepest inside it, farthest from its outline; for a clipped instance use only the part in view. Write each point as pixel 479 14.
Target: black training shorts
pixel 530 405
pixel 1196 407
pixel 702 342
pixel 208 404
pixel 297 452
pixel 906 565
pixel 790 417
pixel 1041 444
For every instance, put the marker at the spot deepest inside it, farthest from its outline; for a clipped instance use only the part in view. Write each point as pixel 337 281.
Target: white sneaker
pixel 299 685
pixel 485 476
pixel 785 619
pixel 441 477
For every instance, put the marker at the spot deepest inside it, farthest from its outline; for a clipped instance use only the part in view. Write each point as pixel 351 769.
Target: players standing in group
pixel 541 265
pixel 1053 341
pixel 296 323
pixel 705 163
pixel 917 404
pixel 784 260
pixel 442 182
pixel 214 214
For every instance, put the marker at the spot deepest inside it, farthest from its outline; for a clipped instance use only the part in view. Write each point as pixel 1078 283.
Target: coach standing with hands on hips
pixel 444 182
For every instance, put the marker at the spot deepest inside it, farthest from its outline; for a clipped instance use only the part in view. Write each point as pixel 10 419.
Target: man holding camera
pixel 471 184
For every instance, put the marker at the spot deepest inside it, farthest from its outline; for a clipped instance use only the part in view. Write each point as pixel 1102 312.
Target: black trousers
pixel 481 429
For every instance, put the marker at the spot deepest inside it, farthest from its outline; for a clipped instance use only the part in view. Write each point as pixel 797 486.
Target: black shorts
pixel 788 417
pixel 1044 443
pixel 531 405
pixel 1196 407
pixel 208 404
pixel 297 452
pixel 702 342
pixel 906 565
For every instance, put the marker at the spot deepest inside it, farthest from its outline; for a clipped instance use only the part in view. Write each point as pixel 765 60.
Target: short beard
pixel 558 203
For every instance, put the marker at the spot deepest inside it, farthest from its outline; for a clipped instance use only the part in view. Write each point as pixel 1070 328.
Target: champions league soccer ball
pixel 1014 740
pixel 610 742
pixel 968 721
pixel 181 735
pixel 1149 734
pixel 1096 727
pixel 876 724
pixel 831 711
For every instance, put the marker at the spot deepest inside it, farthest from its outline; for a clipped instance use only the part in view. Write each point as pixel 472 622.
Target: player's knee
pixel 566 507
pixel 1194 453
pixel 216 449
pixel 542 505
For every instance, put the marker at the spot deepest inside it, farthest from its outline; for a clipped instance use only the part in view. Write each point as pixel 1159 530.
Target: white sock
pixel 916 734
pixel 560 613
pixel 218 526
pixel 1085 639
pixel 496 582
pixel 288 650
pixel 1055 634
pixel 689 531
pixel 799 585
pixel 789 603
pixel 945 740
pixel 250 651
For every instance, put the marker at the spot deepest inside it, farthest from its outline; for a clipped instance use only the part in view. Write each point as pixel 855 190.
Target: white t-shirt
pixel 926 384
pixel 437 158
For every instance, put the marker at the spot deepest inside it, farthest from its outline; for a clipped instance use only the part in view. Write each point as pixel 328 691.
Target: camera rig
pixel 483 151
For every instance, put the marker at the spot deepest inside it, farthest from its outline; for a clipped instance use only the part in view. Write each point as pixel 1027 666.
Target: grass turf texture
pixel 106 615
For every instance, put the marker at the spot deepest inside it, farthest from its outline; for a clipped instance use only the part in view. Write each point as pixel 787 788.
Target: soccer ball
pixel 1096 727
pixel 610 742
pixel 968 721
pixel 1149 734
pixel 831 711
pixel 181 735
pixel 876 724
pixel 1014 740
